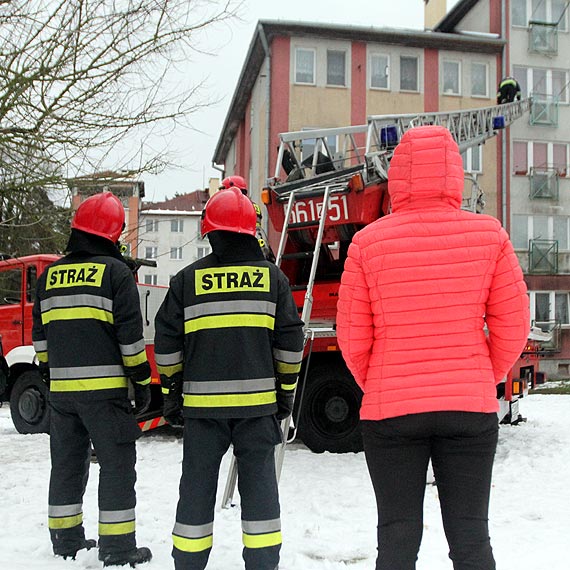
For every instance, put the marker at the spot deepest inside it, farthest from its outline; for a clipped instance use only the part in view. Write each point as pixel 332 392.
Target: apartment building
pixel 169 234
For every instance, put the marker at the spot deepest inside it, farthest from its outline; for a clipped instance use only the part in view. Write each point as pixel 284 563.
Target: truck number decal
pixel 310 210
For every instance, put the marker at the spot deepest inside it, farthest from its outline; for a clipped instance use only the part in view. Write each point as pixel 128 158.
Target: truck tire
pixel 28 403
pixel 329 418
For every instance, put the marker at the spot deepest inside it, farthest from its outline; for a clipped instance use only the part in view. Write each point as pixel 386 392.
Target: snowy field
pixel 328 508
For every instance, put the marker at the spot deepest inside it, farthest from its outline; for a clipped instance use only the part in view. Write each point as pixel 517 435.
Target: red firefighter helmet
pixel 101 215
pixel 231 211
pixel 237 181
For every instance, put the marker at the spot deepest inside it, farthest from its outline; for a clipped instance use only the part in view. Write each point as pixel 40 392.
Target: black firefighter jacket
pixel 230 331
pixel 88 324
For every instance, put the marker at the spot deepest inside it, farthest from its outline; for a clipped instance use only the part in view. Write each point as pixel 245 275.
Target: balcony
pixel 543 37
pixel 543 257
pixel 543 183
pixel 554 330
pixel 544 110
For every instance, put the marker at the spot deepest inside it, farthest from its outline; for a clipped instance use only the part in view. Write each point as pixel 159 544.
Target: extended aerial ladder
pixel 322 184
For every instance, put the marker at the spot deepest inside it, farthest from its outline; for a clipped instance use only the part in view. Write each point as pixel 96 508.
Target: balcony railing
pixel 544 110
pixel 543 37
pixel 543 183
pixel 543 256
pixel 554 329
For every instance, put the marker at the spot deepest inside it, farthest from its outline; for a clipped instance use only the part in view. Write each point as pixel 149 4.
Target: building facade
pixel 169 235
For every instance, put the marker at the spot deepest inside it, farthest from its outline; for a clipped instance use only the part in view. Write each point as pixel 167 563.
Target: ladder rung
pixel 300 225
pixel 298 255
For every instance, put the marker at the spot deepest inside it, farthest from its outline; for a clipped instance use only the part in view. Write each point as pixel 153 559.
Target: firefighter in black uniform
pixel 228 346
pixel 239 182
pixel 509 90
pixel 88 336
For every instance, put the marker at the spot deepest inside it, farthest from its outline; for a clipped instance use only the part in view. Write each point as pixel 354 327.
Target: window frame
pixel 154 252
pixel 178 253
pixel 313 51
pixel 552 305
pixel 345 77
pixel 467 156
pixel 486 95
pixel 177 225
pixel 417 60
pixel 530 218
pixel 459 86
pixel 371 56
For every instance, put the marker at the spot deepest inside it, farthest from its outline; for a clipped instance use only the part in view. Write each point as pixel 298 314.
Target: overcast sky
pixel 221 72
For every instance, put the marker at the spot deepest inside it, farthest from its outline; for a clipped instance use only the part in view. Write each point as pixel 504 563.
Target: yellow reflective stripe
pixel 261 540
pixel 114 529
pixel 229 321
pixel 165 390
pixel 145 382
pixel 229 400
pixel 84 384
pixel 135 359
pixel 75 313
pixel 288 387
pixel 42 356
pixel 65 522
pixel 192 544
pixel 169 370
pixel 286 368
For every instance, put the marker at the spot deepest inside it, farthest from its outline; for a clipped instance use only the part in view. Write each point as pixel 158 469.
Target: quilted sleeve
pixel 507 311
pixel 354 324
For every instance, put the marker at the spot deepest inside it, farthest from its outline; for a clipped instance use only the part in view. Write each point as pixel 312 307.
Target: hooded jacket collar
pixel 426 171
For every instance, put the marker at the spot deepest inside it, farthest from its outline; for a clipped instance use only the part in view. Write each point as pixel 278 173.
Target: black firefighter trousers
pixel 205 443
pixel 112 429
pixel 461 446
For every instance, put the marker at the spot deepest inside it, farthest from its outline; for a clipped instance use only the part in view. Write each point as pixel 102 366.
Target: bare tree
pixel 77 77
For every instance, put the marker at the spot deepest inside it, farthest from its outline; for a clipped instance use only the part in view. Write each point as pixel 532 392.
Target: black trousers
pixel 461 446
pixel 205 443
pixel 112 429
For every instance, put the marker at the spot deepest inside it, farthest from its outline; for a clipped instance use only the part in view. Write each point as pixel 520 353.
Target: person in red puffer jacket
pixel 418 289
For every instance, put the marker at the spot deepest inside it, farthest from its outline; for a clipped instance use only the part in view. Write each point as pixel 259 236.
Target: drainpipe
pixel 265 45
pixel 504 72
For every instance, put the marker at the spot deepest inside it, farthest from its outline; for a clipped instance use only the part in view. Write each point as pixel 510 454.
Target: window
pixel 151 279
pixel 305 66
pixel 408 73
pixel 543 83
pixel 379 66
pixel 539 11
pixel 526 227
pixel 151 252
pixel 472 159
pixel 548 306
pixel 336 67
pixel 176 225
pixel 479 80
pixel 202 252
pixel 175 253
pixel 451 78
pixel 541 155
pixel 10 286
pixel 151 226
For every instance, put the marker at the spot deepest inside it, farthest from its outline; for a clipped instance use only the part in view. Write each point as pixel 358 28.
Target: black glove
pixel 172 409
pixel 142 398
pixel 284 405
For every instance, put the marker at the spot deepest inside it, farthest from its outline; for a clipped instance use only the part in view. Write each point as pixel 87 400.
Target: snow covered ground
pixel 328 508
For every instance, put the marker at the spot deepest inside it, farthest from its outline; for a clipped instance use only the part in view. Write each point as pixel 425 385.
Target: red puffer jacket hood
pixel 428 161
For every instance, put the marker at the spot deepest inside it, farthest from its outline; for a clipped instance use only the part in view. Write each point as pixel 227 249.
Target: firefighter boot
pixel 132 557
pixel 87 544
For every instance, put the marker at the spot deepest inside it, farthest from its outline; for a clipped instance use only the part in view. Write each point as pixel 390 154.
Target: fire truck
pixel 20 380
pixel 326 186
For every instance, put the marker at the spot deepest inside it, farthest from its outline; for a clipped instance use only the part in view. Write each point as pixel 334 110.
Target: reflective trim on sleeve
pixel 73 314
pixel 288 356
pixel 40 345
pixel 144 382
pixel 285 368
pixel 42 356
pixel 225 307
pixel 135 360
pixel 133 349
pixel 168 359
pixel 229 321
pixel 169 370
pixel 229 400
pixel 288 387
pixel 261 540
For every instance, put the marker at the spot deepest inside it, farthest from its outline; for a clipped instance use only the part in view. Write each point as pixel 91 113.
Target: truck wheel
pixel 329 419
pixel 28 403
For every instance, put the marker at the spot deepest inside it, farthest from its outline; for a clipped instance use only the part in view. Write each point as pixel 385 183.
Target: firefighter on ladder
pixel 88 337
pixel 228 346
pixel 239 182
pixel 509 90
